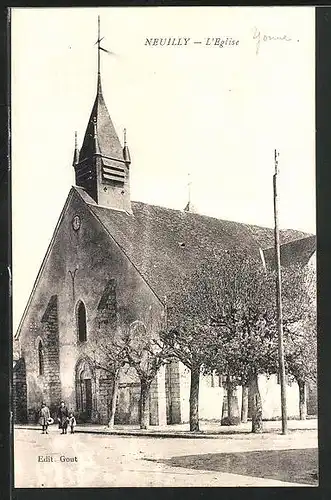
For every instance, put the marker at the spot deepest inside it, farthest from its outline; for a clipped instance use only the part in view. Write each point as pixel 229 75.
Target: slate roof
pixel 107 140
pixel 166 244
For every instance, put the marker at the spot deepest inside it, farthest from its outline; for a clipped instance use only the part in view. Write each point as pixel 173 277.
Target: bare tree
pixel 146 354
pixel 111 357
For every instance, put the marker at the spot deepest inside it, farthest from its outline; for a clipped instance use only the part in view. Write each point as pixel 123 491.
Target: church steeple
pixel 103 166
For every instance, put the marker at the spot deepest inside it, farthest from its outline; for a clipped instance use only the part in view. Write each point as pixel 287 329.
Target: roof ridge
pixel 309 236
pixel 247 224
pixel 191 213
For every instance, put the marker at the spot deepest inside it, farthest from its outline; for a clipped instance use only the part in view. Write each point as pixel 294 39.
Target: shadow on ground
pixel 293 466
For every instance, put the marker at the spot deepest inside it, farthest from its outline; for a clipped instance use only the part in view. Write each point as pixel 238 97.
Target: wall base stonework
pixel 312 400
pixel 173 393
pixel 127 408
pixel 20 413
pixel 158 399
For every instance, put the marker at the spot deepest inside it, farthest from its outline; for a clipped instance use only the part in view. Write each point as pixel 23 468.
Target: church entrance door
pixel 88 398
pixel 84 391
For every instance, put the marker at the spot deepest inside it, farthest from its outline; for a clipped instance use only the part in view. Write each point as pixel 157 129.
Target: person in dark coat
pixel 63 417
pixel 44 417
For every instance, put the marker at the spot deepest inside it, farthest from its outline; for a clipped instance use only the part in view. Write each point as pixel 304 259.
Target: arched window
pixel 41 358
pixel 81 322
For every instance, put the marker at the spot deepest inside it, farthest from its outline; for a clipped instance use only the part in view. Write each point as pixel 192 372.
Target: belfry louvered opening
pixel 113 171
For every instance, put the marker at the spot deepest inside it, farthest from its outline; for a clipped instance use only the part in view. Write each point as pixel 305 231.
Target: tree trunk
pixel 256 405
pixel 244 403
pixel 224 406
pixel 113 400
pixel 194 398
pixel 232 417
pixel 233 405
pixel 144 403
pixel 302 399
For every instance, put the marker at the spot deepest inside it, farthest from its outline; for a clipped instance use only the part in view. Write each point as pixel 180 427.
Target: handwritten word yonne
pixel 267 38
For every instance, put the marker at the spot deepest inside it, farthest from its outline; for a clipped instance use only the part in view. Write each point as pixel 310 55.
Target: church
pixel 111 264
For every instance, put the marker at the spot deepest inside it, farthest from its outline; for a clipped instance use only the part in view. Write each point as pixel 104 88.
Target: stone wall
pixel 211 397
pixel 271 400
pixel 127 410
pixel 158 413
pixel 19 395
pixel 104 399
pixel 173 392
pixel 43 386
pixel 312 400
pixel 50 325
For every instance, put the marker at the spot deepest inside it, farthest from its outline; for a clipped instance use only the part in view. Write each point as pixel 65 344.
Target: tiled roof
pixel 166 245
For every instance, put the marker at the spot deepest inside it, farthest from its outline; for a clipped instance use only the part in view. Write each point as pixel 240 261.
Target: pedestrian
pixel 72 422
pixel 63 417
pixel 44 416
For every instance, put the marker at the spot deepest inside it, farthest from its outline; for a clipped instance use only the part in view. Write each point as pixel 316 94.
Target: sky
pixel 205 113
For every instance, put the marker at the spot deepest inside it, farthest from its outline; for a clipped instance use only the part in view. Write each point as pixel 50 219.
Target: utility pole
pixel 279 304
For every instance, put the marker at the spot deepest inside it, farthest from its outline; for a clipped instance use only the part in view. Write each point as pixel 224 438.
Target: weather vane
pixel 99 46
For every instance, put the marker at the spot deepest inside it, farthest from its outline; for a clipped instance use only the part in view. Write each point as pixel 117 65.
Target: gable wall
pixel 87 249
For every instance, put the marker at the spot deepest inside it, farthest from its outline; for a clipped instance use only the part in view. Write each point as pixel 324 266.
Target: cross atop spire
pixel 189 207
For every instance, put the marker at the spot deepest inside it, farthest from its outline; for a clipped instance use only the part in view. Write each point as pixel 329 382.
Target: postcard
pixel 164 248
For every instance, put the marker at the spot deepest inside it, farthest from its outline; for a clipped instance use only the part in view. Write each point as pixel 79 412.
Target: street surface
pixel 119 461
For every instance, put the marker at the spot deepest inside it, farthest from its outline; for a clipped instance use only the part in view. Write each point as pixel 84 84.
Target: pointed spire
pixel 126 152
pixel 76 152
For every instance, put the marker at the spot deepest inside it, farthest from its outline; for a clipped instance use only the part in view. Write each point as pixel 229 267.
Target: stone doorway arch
pixel 85 390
